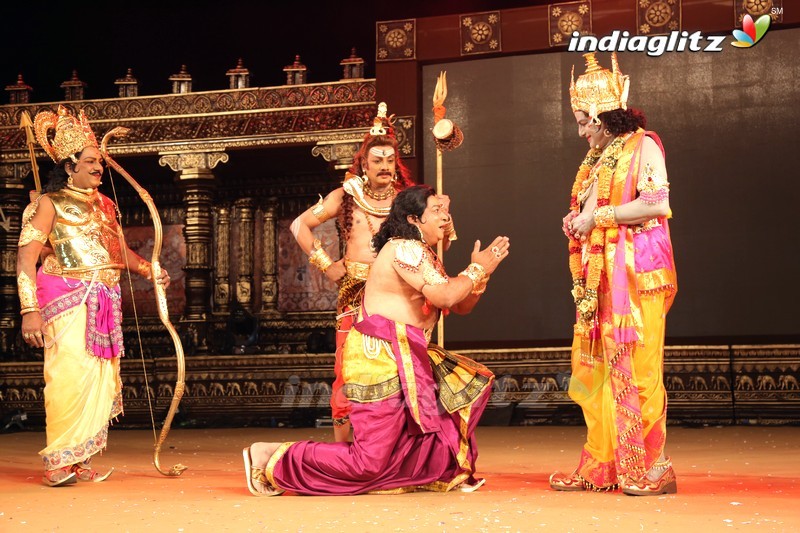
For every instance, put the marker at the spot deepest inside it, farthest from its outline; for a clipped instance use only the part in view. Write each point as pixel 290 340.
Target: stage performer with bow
pixel 71 306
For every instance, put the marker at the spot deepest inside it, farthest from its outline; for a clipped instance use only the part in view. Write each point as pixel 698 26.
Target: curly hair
pixel 345 222
pixel 410 201
pixel 621 121
pixel 57 177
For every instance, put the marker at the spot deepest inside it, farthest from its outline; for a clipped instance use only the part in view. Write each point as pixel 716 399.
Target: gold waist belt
pixel 108 274
pixel 650 224
pixel 356 270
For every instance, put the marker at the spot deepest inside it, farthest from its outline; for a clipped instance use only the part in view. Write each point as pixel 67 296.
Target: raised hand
pixel 491 256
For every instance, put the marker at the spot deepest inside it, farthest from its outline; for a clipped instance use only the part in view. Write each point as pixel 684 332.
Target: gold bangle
pixel 26 288
pixel 605 217
pixel 144 268
pixel 29 310
pixel 319 257
pixel 30 234
pixel 480 287
pixel 477 275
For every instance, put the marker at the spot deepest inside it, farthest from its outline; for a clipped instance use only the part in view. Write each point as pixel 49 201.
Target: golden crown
pixel 599 90
pixel 72 134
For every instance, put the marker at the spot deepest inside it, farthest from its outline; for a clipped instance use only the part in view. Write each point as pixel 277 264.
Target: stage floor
pixel 728 478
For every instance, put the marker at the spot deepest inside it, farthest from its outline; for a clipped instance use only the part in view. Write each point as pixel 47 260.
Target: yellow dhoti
pixel 591 388
pixel 82 393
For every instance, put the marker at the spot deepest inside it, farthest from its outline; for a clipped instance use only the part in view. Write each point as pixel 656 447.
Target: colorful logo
pixel 751 32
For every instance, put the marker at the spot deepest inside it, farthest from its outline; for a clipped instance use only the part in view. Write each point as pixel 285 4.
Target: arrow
pixel 30 139
pixel 6 222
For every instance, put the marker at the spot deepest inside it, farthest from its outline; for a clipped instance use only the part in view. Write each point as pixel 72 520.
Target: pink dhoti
pixel 415 408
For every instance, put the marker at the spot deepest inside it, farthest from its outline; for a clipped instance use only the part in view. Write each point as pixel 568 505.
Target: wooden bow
pixel 161 298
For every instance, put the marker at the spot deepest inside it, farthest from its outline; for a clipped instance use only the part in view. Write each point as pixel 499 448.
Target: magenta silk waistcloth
pixel 58 295
pixel 390 449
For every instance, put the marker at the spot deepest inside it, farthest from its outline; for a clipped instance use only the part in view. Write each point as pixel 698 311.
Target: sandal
pixel 255 475
pixel 57 478
pixel 84 473
pixel 574 482
pixel 666 483
pixel 566 482
pixel 466 487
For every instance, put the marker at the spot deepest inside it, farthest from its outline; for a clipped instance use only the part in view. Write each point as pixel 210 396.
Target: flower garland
pixel 583 181
pixel 584 290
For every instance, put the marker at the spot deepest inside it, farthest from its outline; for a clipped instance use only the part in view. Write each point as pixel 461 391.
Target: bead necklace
pixel 376 195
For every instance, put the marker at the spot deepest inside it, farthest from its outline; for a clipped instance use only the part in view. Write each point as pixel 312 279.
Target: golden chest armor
pixel 85 237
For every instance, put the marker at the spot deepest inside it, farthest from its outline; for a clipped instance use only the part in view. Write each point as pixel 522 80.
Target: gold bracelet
pixel 144 268
pixel 605 217
pixel 30 234
pixel 477 275
pixel 480 287
pixel 26 288
pixel 319 211
pixel 319 257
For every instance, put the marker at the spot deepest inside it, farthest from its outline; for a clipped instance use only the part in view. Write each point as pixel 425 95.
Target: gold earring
pixel 421 236
pixel 606 132
pixel 70 181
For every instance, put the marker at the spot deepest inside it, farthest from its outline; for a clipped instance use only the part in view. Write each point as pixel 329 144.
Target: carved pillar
pixel 194 177
pixel 269 263
pixel 12 201
pixel 244 215
pixel 222 239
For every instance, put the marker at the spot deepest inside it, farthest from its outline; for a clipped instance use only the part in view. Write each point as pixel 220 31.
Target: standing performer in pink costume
pixel 415 406
pixel 624 282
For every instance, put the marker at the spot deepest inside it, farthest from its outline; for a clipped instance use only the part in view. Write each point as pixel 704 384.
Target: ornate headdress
pixel 381 124
pixel 72 134
pixel 599 90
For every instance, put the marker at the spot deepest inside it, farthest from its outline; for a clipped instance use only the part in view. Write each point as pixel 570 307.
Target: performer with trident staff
pixel 447 136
